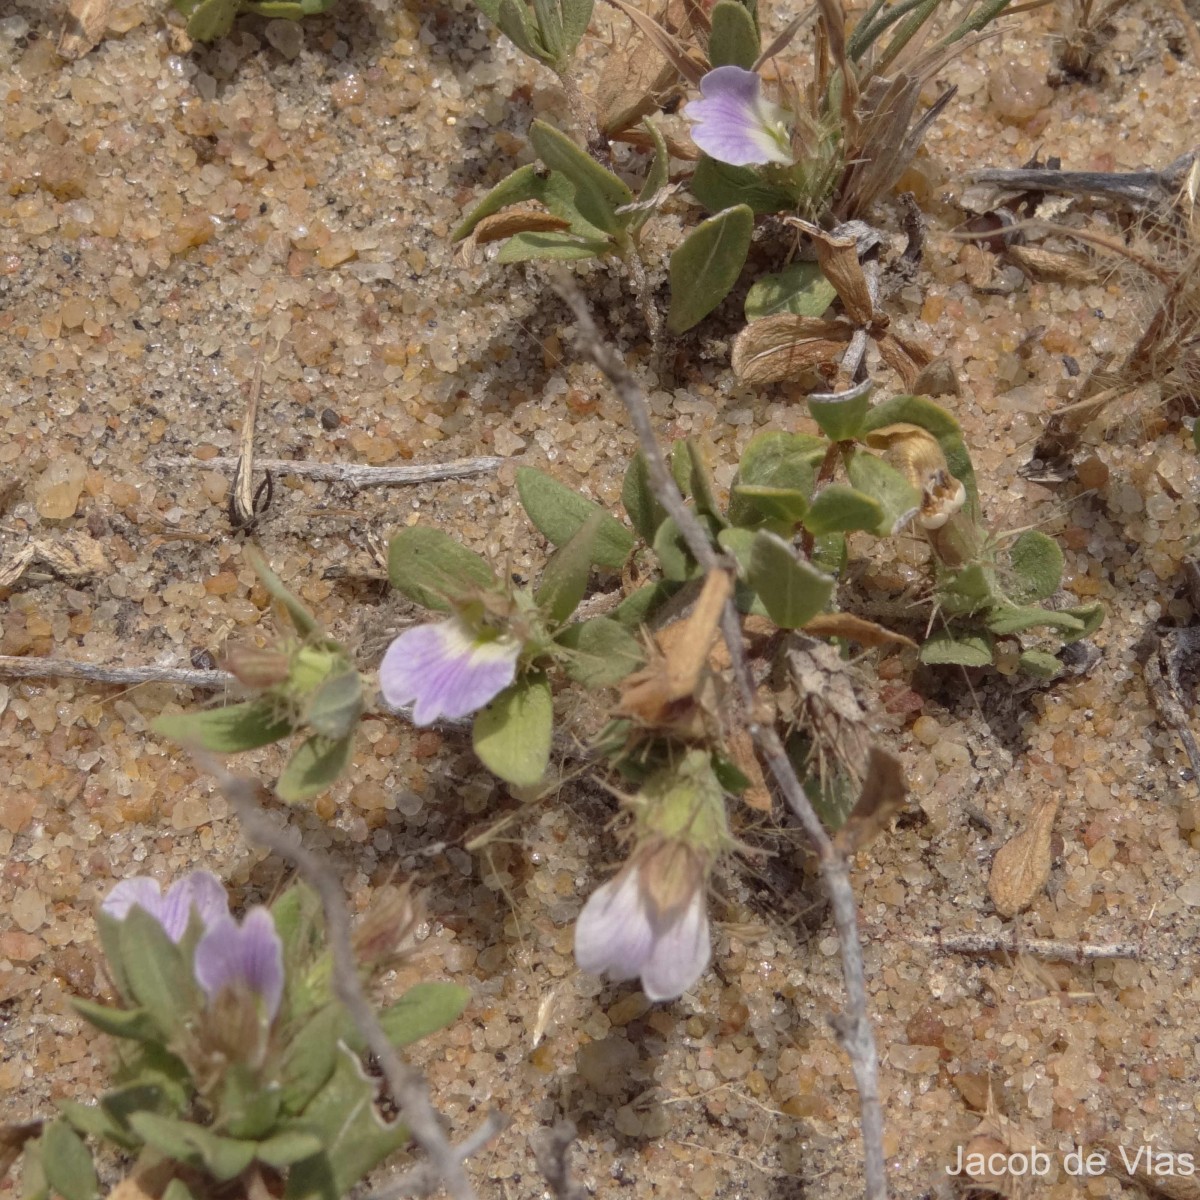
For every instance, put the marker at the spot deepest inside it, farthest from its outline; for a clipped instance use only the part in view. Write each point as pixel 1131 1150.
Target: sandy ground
pixel 169 219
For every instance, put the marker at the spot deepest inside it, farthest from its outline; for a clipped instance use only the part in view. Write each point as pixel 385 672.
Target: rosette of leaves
pixel 208 20
pixel 308 685
pixel 297 1121
pixel 512 734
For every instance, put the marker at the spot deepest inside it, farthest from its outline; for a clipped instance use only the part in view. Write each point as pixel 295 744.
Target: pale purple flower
pixel 446 670
pixel 735 124
pixel 247 957
pixel 624 932
pixel 200 892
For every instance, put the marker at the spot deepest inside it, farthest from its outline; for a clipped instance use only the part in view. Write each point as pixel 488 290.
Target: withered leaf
pixel 881 798
pixel 857 629
pixel 782 347
pixel 517 220
pixel 1022 865
pixel 740 746
pixel 838 259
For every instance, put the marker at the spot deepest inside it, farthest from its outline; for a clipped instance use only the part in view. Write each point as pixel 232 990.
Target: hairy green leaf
pixel 512 734
pixel 707 265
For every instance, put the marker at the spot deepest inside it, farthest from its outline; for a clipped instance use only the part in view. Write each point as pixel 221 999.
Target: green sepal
pixel 431 568
pixel 734 36
pixel 353 1136
pixel 707 265
pixel 598 192
pixel 222 1157
pixel 958 649
pixel 898 500
pixel 839 508
pixel 67 1163
pixel 228 730
pixel 1041 664
pixel 642 505
pixel 565 577
pixel 1037 566
pixel 720 186
pixel 336 705
pixel 801 289
pixel 315 765
pixel 512 734
pixel 601 652
pixel 792 591
pixel 159 976
pixel 553 245
pixel 558 513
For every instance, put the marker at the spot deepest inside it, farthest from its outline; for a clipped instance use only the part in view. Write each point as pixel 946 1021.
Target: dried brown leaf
pixel 517 220
pixel 1051 265
pixel 882 797
pixel 740 747
pixel 1022 865
pixel 838 260
pixel 894 355
pixel 781 348
pixel 684 59
pixel 856 629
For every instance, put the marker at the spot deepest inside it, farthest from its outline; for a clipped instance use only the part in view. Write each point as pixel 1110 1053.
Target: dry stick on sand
pixel 405 1083
pixel 351 473
pixel 24 667
pixel 852 1026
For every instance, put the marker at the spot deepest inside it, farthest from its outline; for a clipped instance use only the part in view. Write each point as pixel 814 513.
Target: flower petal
pixel 200 890
pixel 735 124
pixel 680 953
pixel 444 671
pixel 249 955
pixel 613 934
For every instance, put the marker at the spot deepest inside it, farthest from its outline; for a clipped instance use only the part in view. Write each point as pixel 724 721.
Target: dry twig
pixel 852 1026
pixel 29 667
pixel 352 473
pixel 405 1083
pixel 1011 942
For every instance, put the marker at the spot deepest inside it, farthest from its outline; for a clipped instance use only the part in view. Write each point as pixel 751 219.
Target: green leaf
pixel 792 591
pixel 160 979
pixel 842 419
pixel 719 186
pixel 227 730
pixel 707 265
pixel 1090 615
pixel 554 245
pixel 734 36
pixel 526 183
pixel 314 766
pixel 558 513
pixel 288 1147
pixel 512 17
pixel 1037 566
pixel 896 497
pixel 67 1163
pixel 109 1119
pixel 222 1157
pixel 133 1023
pixel 512 734
pixel 637 608
pixel 305 623
pixel 968 590
pixel 292 10
pixel 674 558
pixel 601 652
pixel 576 16
pixel 354 1137
pixel 657 177
pixel 311 1056
pixel 598 192
pixel 1040 664
pixel 430 567
pixel 695 480
pixel 210 19
pixel 1014 618
pixel 841 509
pixel 799 289
pixel 178 1190
pixel 784 508
pixel 920 410
pixel 33 1171
pixel 947 648
pixel 299 923
pixel 775 478
pixel 565 578
pixel 640 502
pixel 336 705
pixel 423 1009
pixel 246 1110
pixel 550 28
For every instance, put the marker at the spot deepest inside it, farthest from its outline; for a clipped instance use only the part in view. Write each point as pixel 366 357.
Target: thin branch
pixel 28 667
pixel 405 1083
pixel 552 1148
pixel 352 473
pixel 853 1026
pixel 424 1180
pixel 1012 943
